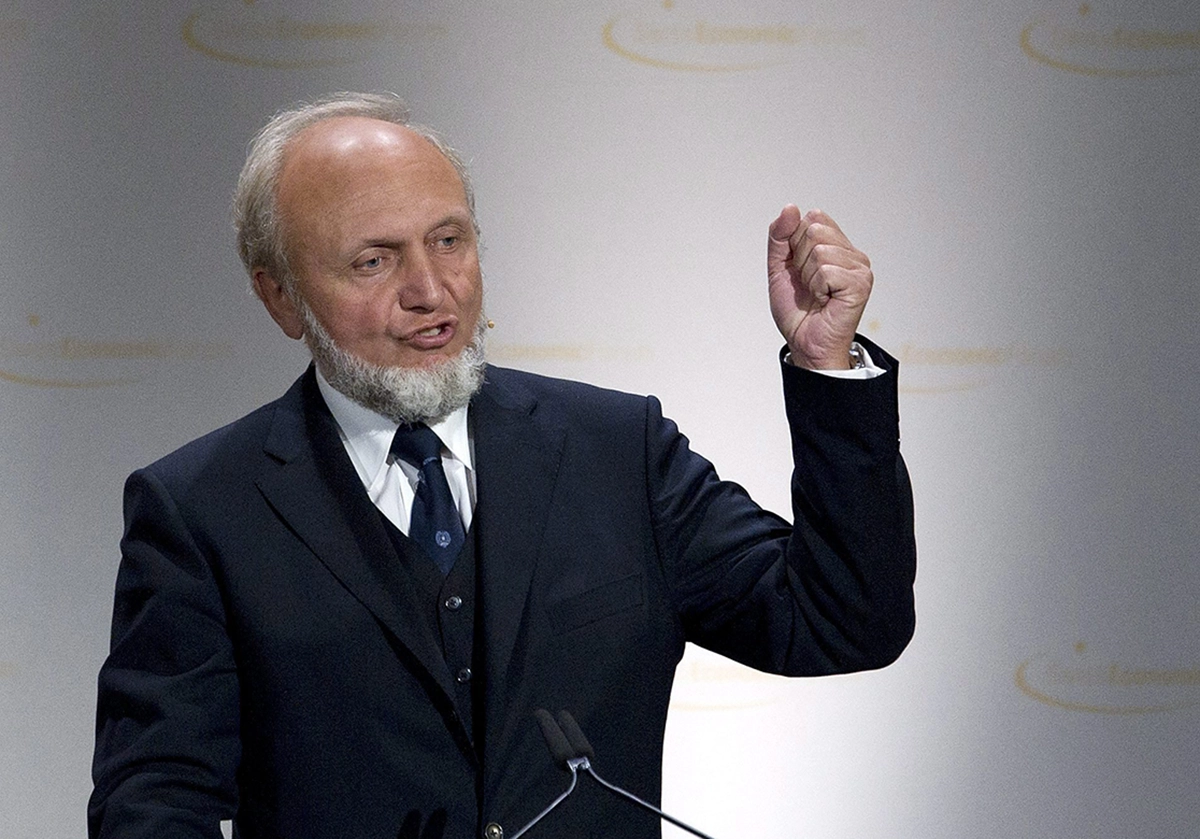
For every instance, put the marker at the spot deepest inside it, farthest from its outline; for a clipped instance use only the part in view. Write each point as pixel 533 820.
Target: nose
pixel 420 288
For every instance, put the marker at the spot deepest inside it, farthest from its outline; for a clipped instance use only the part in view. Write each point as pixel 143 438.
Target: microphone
pixel 575 736
pixel 571 750
pixel 561 748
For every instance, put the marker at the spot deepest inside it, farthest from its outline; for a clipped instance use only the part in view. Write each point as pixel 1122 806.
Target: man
pixel 305 643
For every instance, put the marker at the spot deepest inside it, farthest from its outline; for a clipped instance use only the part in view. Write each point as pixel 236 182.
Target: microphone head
pixel 556 741
pixel 579 743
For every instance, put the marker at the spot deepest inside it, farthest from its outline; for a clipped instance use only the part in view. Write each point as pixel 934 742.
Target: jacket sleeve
pixel 167 728
pixel 831 593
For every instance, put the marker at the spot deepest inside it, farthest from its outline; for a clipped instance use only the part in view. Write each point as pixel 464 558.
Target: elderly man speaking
pixel 336 616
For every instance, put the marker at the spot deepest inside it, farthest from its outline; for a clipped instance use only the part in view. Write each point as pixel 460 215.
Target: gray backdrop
pixel 1024 175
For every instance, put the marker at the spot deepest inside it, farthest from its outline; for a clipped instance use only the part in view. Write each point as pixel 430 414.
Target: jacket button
pixel 493 831
pixel 453 603
pixel 463 677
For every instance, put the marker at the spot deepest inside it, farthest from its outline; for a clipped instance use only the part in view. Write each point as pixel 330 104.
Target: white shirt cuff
pixel 869 370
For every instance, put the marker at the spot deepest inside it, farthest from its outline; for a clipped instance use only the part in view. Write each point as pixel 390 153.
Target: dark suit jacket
pixel 266 664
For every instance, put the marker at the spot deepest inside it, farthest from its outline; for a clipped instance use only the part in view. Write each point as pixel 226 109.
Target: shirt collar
pixel 368 435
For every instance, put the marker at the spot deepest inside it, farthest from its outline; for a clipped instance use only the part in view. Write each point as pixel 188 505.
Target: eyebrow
pixel 460 220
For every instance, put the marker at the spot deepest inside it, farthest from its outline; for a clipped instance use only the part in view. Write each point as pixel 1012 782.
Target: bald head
pixel 348 182
pixel 260 237
pixel 380 243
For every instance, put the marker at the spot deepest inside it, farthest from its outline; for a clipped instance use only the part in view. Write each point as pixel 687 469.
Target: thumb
pixel 779 247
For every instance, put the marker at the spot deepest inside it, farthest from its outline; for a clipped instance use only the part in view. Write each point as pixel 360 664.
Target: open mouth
pixel 432 337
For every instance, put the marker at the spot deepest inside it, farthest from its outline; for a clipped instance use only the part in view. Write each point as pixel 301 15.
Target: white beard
pixel 407 395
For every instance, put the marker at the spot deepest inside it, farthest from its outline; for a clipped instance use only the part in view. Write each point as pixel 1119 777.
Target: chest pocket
pixel 596 604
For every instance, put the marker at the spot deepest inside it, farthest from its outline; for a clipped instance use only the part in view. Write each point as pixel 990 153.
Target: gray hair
pixel 260 237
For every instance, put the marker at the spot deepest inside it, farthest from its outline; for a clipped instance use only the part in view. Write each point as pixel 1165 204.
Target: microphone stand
pixel 584 764
pixel 573 765
pixel 570 749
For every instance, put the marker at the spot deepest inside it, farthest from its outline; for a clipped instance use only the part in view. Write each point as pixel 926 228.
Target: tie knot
pixel 416 444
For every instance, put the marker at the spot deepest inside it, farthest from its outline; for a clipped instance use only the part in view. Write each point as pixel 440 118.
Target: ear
pixel 278 302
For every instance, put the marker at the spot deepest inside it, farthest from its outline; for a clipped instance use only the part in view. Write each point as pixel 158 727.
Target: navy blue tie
pixel 435 524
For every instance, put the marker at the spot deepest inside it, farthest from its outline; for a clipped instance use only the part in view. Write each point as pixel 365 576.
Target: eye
pixel 369 263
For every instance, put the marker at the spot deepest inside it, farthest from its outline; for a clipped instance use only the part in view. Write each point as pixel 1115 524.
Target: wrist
pixel 855 358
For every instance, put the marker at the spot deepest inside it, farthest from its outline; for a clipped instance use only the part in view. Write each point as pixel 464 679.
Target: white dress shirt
pixel 391 483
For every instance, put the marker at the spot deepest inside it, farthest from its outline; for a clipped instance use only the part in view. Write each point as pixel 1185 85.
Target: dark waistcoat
pixel 449 607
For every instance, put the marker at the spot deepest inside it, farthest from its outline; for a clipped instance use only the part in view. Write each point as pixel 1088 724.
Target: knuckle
pixel 825 252
pixel 824 274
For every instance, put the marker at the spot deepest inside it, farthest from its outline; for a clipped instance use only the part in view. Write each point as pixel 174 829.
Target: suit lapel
pixel 314 488
pixel 517 454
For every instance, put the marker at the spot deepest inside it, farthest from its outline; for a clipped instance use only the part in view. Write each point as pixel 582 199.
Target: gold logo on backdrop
pixel 948 368
pixel 1085 681
pixel 1091 42
pixel 706 682
pixel 927 369
pixel 944 369
pixel 707 40
pixel 69 362
pixel 252 34
pixel 528 353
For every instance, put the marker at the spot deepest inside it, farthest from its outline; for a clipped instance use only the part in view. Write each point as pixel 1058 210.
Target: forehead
pixel 337 157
